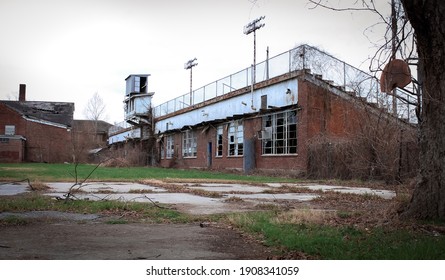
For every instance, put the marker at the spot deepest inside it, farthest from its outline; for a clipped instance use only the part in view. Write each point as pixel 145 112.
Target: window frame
pixel 170 146
pixel 189 144
pixel 219 140
pixel 10 129
pixel 235 135
pixel 284 133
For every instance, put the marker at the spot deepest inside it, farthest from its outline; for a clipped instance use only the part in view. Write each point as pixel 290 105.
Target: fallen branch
pixel 155 204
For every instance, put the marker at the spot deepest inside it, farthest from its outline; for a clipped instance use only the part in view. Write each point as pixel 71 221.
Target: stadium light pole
pixel 189 65
pixel 253 26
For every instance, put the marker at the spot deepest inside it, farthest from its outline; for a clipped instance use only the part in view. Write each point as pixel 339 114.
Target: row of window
pixel 278 137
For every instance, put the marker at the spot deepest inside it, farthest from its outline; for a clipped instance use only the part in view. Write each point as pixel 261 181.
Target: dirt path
pixel 95 240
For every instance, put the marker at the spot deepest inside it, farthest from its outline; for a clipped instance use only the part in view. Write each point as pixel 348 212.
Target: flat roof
pixel 138 75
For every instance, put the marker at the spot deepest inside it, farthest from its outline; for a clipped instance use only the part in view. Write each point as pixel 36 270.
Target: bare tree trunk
pixel 428 21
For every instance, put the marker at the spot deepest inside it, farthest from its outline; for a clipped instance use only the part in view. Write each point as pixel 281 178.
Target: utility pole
pixel 189 65
pixel 253 26
pixel 267 63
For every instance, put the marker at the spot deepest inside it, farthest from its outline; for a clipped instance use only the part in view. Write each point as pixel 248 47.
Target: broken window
pixel 236 138
pixel 137 84
pixel 279 133
pixel 162 149
pixel 170 146
pixel 189 143
pixel 219 141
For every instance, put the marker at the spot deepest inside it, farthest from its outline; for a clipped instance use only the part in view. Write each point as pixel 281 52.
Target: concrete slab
pixel 227 188
pixel 97 187
pixel 195 204
pixel 13 188
pixel 190 203
pixel 278 196
pixel 386 194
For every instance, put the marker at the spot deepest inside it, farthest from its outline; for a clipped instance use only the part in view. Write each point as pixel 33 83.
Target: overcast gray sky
pixel 66 50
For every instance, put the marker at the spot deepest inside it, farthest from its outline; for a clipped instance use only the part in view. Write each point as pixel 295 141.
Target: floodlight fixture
pixel 254 25
pixel 191 63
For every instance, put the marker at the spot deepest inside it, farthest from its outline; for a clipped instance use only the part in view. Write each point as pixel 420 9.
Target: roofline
pixel 47 123
pixel 15 137
pixel 140 75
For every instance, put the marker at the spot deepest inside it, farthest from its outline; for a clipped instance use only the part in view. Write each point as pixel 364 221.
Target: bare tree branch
pixel 367 7
pixel 77 183
pixel 95 109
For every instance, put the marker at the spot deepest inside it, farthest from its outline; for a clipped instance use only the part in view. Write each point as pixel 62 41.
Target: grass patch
pixel 66 172
pixel 13 220
pixel 235 199
pixel 129 210
pixel 339 242
pixel 267 206
pixel 117 222
pixel 344 214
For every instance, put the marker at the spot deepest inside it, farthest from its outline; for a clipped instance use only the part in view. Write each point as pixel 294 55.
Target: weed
pixel 38 186
pixel 103 191
pixel 117 222
pixel 135 210
pixel 267 206
pixel 344 214
pixel 205 193
pixel 300 216
pixel 338 242
pixel 234 199
pixel 142 191
pixel 26 202
pixel 13 220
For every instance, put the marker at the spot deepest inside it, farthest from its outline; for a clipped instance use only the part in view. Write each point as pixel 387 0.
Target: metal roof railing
pixel 339 73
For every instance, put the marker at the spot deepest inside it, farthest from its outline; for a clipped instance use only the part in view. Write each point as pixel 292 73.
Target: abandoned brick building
pixel 304 112
pixel 35 131
pixel 41 131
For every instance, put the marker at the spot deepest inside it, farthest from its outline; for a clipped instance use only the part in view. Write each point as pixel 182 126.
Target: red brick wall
pixel 12 150
pixel 326 113
pixel 11 117
pixel 322 113
pixel 200 161
pixel 44 143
